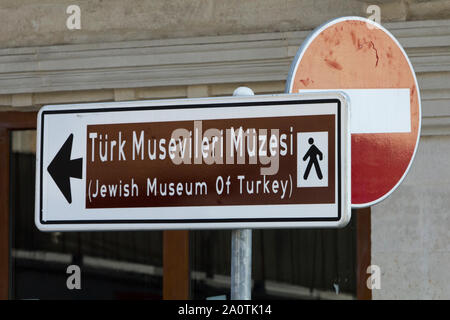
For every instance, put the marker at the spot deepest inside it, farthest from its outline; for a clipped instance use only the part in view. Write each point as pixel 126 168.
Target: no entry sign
pixel 268 161
pixel 364 60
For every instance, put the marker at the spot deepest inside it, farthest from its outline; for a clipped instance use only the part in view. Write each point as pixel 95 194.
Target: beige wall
pixel 411 228
pixel 43 22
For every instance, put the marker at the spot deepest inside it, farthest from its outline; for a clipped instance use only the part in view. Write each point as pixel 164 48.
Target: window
pixel 286 264
pixel 114 265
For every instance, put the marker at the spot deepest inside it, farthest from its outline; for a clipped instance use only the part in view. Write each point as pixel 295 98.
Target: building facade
pixel 141 50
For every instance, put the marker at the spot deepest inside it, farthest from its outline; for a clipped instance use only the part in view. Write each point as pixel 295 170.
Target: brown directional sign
pixel 150 178
pixel 269 161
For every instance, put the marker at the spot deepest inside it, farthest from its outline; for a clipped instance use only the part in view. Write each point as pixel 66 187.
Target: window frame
pixel 173 240
pixel 9 121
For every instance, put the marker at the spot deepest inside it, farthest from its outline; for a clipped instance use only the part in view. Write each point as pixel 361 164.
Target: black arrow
pixel 62 168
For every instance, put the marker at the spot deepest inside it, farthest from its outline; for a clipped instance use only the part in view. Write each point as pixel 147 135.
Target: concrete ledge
pixel 190 61
pixel 26 74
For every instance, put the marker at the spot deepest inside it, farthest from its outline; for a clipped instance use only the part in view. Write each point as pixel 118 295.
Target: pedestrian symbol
pixel 312 154
pixel 312 159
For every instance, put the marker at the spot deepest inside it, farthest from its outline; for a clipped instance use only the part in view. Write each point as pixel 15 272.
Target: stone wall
pixel 411 228
pixel 43 22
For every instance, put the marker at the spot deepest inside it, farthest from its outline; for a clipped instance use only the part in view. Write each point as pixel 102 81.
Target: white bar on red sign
pixel 378 110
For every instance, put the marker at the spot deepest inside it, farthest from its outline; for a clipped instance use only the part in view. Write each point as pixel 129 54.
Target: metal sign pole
pixel 241 264
pixel 241 248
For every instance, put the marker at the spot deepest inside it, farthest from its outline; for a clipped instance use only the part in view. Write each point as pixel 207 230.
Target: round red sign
pixel 363 59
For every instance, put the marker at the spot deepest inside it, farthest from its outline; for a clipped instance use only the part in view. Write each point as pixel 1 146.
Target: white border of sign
pixel 93 114
pixel 301 51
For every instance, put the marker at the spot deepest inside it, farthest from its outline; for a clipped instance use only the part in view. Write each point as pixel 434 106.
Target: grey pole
pixel 241 248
